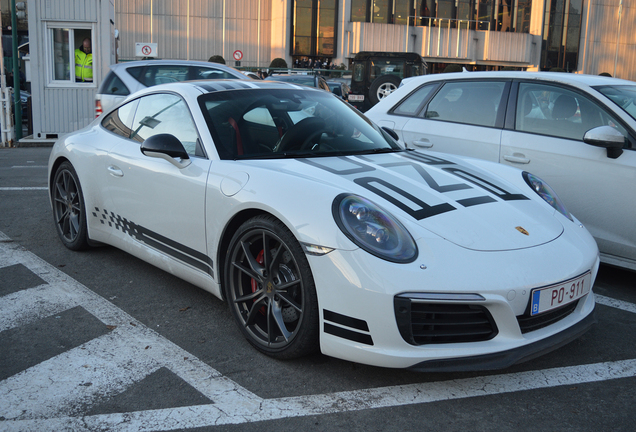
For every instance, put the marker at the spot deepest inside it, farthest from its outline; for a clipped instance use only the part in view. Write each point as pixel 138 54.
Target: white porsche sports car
pixel 322 232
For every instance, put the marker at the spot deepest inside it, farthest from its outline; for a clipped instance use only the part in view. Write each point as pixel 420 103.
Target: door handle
pixel 424 142
pixel 115 172
pixel 517 158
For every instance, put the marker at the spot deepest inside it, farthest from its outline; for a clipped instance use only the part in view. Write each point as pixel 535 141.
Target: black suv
pixel 377 74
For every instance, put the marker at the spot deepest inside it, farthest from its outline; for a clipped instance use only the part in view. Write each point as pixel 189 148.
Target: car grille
pixel 436 323
pixel 529 323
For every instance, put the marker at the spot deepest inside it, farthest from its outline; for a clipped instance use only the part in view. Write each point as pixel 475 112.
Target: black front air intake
pixel 423 323
pixel 529 323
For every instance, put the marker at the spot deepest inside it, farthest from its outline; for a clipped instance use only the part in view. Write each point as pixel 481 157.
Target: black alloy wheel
pixel 68 208
pixel 270 289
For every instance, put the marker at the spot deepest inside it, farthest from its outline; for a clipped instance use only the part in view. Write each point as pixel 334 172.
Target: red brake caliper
pixel 260 260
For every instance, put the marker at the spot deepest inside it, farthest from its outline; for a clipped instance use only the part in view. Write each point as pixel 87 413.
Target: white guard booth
pixel 61 102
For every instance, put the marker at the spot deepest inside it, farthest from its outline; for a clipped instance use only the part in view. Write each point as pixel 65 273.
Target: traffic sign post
pixel 238 55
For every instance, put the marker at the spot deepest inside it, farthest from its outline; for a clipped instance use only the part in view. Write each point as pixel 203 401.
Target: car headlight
pixel 373 229
pixel 547 193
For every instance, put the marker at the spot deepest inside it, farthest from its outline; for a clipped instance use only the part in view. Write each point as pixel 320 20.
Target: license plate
pixel 554 296
pixel 356 98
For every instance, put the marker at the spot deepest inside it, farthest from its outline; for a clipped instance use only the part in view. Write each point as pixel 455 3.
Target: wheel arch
pixel 228 232
pixel 56 164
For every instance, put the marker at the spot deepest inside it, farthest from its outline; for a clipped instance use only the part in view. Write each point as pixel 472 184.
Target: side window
pixel 163 74
pixel 474 102
pixel 259 115
pixel 556 111
pixel 412 104
pixel 113 85
pixel 209 73
pixel 358 72
pixel 166 113
pixel 120 121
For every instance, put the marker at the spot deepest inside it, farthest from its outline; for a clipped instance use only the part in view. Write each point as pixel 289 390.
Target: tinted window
pixel 165 113
pixel 411 105
pixel 114 86
pixel 163 74
pixel 556 111
pixel 358 72
pixel 120 120
pixel 474 103
pixel 209 73
pixel 387 66
pixel 279 123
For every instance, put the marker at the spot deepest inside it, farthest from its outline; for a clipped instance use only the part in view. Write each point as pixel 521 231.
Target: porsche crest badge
pixel 522 230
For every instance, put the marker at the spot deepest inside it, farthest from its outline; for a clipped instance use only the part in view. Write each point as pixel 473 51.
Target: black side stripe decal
pixel 163 244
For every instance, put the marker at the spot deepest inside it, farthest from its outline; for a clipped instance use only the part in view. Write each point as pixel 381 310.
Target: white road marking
pixel 618 304
pixel 46 396
pixel 29 166
pixel 22 188
pixel 386 397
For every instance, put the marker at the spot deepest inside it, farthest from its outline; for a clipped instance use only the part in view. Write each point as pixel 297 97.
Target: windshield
pixel 278 123
pixel 622 95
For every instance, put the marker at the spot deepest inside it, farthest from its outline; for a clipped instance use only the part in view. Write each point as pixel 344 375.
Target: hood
pixel 447 196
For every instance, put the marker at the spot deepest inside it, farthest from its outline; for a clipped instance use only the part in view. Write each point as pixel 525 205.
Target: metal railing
pixel 475 25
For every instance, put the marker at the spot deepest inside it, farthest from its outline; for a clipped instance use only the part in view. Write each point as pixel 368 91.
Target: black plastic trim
pixel 348 334
pixel 344 320
pixel 508 358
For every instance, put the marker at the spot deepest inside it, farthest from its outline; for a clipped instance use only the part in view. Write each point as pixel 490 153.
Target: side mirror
pixel 391 132
pixel 608 137
pixel 168 147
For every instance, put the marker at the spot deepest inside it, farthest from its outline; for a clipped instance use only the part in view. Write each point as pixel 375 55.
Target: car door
pixel 463 117
pixel 155 202
pixel 546 139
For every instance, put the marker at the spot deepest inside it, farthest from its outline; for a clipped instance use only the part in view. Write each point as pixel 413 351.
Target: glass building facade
pixel 499 15
pixel 314 28
pixel 315 23
pixel 561 34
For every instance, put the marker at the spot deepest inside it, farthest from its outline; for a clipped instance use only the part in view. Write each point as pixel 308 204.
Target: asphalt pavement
pixel 99 340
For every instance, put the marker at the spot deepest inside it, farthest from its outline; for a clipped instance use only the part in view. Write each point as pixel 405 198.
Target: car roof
pixel 578 80
pixel 209 86
pixel 126 65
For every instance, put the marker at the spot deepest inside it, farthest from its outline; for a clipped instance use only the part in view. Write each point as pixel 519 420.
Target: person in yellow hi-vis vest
pixel 84 62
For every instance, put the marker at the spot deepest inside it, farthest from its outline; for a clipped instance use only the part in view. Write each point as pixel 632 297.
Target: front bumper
pixel 510 357
pixel 357 292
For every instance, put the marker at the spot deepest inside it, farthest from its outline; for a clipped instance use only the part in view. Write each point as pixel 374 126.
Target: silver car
pixel 127 78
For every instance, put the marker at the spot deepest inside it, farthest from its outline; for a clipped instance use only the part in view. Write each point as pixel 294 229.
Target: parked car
pixel 377 74
pixel 322 232
pixel 309 80
pixel 126 78
pixel 577 132
pixel 339 88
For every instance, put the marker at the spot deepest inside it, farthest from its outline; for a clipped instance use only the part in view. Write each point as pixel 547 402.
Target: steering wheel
pixel 302 134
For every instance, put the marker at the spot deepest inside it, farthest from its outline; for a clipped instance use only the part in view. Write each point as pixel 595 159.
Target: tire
pixel 382 87
pixel 69 210
pixel 270 289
